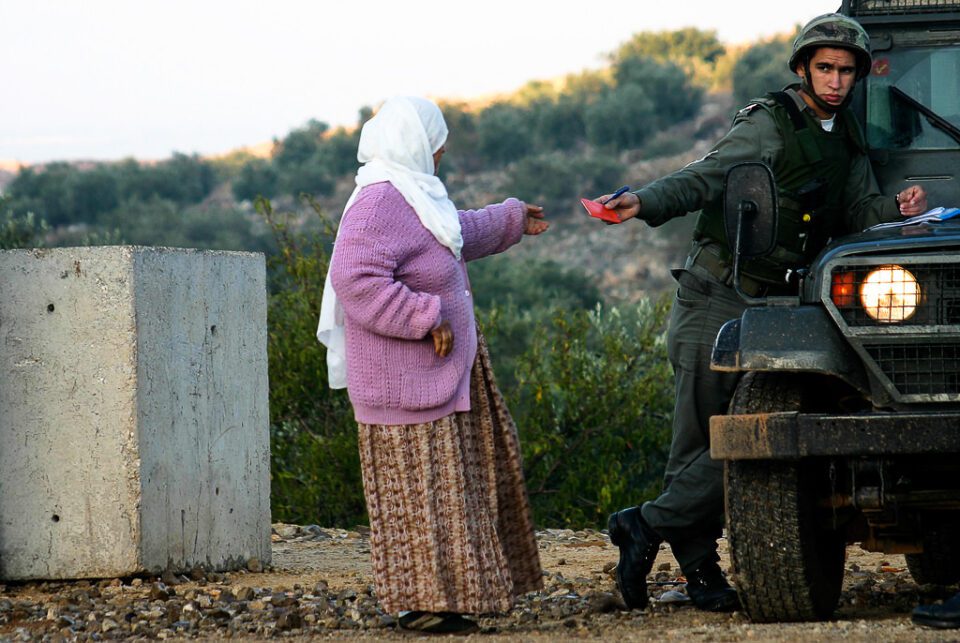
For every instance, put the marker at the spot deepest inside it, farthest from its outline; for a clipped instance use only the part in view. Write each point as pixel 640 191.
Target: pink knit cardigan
pixel 396 283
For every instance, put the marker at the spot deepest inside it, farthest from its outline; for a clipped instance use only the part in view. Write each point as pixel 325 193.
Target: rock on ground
pixel 320 586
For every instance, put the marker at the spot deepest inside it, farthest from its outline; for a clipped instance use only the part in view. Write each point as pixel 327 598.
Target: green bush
pixel 593 404
pixel 697 52
pixel 161 222
pixel 761 69
pixel 257 177
pixel 19 230
pixel 314 461
pixel 518 298
pixel 556 180
pixel 665 84
pixel 64 194
pixel 622 118
pixel 43 192
pixel 503 133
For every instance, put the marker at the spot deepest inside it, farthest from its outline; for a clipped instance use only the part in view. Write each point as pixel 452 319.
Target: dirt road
pixel 319 585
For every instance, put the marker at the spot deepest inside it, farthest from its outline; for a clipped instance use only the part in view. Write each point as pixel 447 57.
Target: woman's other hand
pixel 442 338
pixel 534 223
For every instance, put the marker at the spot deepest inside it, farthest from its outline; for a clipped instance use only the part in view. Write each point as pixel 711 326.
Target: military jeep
pixel 845 427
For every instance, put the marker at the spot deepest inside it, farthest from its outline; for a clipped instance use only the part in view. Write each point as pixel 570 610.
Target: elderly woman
pixel 450 526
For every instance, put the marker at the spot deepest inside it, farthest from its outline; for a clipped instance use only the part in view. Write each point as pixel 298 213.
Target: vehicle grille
pixel 882 7
pixel 905 319
pixel 920 370
pixel 938 302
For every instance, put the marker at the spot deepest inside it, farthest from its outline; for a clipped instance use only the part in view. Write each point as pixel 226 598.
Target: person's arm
pixel 362 274
pixel 492 229
pixel 753 137
pixel 865 206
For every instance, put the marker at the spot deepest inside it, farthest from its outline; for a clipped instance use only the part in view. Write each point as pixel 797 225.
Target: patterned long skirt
pixel 450 525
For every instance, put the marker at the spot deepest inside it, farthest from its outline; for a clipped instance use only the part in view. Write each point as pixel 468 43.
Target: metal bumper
pixel 790 436
pixel 788 338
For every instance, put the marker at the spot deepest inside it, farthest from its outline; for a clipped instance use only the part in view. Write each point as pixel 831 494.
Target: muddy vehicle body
pixel 845 427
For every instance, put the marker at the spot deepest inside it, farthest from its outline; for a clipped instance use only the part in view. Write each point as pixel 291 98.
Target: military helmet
pixel 834 30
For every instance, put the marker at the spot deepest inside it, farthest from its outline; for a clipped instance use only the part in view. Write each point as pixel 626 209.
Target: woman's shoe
pixel 437 623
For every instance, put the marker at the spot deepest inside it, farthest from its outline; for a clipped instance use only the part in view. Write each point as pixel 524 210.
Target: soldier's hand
pixel 627 205
pixel 442 338
pixel 912 201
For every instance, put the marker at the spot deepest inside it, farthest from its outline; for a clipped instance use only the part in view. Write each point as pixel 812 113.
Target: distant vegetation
pixel 763 68
pixel 588 383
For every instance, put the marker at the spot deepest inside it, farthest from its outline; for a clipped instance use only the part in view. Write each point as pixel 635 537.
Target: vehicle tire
pixel 788 557
pixel 939 564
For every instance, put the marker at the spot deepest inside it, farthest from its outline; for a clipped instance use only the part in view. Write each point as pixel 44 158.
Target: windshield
pixel 929 76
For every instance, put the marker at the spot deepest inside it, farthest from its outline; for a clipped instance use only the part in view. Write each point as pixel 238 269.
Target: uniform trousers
pixel 689 512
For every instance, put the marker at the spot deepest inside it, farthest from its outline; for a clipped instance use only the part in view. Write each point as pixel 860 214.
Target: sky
pixel 108 79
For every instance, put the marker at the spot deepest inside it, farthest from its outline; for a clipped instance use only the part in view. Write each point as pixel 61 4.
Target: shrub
pixel 696 51
pixel 43 192
pixel 556 179
pixel 19 230
pixel 762 68
pixel 665 85
pixel 257 177
pixel 503 133
pixel 593 403
pixel 516 299
pixel 622 118
pixel 314 461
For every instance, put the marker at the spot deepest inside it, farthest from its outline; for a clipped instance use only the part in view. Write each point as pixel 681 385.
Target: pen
pixel 617 193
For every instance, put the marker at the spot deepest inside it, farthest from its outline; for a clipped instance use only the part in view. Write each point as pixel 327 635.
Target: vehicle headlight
pixel 890 294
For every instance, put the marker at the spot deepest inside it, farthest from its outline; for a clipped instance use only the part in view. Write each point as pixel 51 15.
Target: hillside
pixel 626 263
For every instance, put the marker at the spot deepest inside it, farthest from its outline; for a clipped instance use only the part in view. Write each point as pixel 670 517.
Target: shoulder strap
pixel 811 151
pixel 788 104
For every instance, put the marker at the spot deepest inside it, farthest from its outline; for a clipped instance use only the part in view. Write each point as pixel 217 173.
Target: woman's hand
pixel 912 201
pixel 442 338
pixel 534 223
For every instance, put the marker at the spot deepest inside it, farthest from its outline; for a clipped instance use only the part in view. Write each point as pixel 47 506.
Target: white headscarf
pixel 396 145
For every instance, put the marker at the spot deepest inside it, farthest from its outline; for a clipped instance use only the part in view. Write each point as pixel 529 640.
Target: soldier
pixel 826 188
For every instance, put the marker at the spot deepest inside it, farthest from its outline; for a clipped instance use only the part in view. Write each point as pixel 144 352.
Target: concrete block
pixel 134 424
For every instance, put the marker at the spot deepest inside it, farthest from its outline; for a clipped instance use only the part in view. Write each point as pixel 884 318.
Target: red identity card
pixel 596 209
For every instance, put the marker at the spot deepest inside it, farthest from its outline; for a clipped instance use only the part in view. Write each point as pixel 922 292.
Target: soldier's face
pixel 832 73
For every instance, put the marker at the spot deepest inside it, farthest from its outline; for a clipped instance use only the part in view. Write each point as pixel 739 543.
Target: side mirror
pixel 750 210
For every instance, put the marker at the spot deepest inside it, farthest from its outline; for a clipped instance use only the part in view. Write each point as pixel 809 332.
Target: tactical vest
pixel 811 174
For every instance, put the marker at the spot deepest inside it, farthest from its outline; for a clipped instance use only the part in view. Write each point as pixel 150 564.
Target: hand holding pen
pixel 616 194
pixel 624 202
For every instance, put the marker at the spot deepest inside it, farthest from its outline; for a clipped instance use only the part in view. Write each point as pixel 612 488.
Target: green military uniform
pixel 825 187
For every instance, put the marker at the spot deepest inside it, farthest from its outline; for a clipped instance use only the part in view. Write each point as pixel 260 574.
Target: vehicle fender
pixel 795 338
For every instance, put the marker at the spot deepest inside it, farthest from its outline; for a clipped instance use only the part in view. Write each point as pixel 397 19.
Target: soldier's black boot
pixel 638 545
pixel 709 590
pixel 946 616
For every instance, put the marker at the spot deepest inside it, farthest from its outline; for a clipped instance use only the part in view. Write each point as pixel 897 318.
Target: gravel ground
pixel 319 585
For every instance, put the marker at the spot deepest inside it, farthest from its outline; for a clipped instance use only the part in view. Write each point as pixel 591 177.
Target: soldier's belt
pixel 705 258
